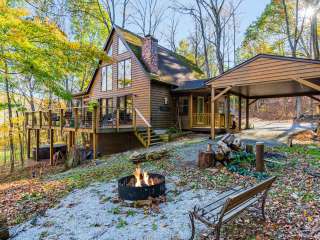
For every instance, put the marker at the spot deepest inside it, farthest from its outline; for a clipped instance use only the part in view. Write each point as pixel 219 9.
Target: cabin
pixel 144 89
pixel 147 88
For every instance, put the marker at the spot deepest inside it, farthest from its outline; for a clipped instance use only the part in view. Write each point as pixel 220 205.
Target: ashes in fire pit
pixel 141 185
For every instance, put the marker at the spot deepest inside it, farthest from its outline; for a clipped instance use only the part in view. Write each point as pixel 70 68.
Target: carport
pixel 265 76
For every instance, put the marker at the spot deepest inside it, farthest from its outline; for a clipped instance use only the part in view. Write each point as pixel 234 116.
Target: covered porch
pixel 193 108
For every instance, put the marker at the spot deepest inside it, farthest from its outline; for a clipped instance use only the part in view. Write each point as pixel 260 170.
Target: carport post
pixel 247 113
pixel 213 120
pixel 239 112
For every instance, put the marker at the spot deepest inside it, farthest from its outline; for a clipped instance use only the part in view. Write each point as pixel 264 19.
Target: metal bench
pixel 229 204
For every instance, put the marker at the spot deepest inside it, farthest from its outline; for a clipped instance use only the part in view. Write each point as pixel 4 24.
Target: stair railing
pixel 137 113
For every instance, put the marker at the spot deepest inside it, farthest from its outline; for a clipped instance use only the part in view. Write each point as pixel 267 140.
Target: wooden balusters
pixel 134 120
pixel 40 119
pixel 32 119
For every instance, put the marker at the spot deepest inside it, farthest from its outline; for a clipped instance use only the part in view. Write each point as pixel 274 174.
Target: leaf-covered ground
pixel 292 207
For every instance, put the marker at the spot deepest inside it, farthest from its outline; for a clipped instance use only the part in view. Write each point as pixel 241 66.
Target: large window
pixel 106 78
pixel 125 105
pixel 109 53
pixel 121 47
pixel 124 74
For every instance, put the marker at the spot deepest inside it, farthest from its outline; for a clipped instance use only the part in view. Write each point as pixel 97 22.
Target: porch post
pixel 213 120
pixel 247 113
pixel 239 112
pixel 228 113
pixel 190 110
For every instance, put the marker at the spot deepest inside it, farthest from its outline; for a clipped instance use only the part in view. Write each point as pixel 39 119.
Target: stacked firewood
pixel 222 153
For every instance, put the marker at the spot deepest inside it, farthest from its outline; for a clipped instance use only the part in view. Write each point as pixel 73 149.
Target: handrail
pixel 142 117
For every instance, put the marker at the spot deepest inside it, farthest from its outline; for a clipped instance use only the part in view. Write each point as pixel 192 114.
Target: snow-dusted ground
pixel 91 214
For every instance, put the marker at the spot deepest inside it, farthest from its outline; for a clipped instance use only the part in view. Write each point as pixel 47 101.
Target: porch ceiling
pixel 288 88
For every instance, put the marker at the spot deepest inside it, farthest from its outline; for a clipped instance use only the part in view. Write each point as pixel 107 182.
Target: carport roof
pixel 265 76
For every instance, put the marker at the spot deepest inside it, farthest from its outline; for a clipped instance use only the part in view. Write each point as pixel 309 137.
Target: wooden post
pixel 37 132
pixel 213 119
pixel 247 113
pixel 40 119
pixel 118 120
pixel 61 121
pixel 28 143
pixel 228 113
pixel 260 157
pixel 94 145
pixel 76 118
pixel 32 119
pixel 94 132
pixel 70 140
pixel 134 120
pixel 190 112
pixel 51 146
pixel 149 136
pixel 239 112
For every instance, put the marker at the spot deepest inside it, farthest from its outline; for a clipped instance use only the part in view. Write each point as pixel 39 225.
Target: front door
pixel 200 110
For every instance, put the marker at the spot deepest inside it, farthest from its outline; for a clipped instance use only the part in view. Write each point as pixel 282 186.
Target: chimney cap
pixel 151 37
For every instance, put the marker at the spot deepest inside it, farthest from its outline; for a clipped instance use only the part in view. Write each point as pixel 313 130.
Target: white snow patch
pixel 90 214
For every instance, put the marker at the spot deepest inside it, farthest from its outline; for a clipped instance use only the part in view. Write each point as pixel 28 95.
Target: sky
pixel 249 11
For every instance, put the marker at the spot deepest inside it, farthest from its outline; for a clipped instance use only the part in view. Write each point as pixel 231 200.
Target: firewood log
pixel 4 231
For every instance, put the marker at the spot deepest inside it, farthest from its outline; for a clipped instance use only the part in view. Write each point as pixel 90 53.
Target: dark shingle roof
pixel 173 68
pixel 191 85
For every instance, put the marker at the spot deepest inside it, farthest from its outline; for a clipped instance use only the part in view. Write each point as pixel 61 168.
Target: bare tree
pixel 125 4
pixel 294 37
pixel 148 15
pixel 171 35
pixel 216 10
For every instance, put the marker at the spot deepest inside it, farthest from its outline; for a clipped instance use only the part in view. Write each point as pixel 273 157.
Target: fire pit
pixel 141 186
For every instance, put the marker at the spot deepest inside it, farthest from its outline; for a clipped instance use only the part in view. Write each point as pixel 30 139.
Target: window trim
pixel 124 73
pixel 106 78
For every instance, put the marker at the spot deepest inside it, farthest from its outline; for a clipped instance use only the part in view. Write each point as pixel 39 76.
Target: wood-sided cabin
pixel 145 87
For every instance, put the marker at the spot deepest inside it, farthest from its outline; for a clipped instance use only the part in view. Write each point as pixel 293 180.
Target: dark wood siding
pixel 162 115
pixel 140 89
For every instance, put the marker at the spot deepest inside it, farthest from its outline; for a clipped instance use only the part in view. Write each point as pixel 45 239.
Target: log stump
pixel 4 230
pixel 205 159
pixel 249 148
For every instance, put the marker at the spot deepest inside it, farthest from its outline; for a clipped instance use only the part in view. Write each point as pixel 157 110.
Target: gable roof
pixel 174 69
pixel 263 56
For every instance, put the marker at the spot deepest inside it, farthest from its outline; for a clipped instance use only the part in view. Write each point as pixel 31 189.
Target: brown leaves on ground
pixel 23 198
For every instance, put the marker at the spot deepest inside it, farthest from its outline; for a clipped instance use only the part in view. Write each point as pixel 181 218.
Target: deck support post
pixel 247 113
pixel 190 111
pixel 61 122
pixel 239 112
pixel 50 136
pixel 228 113
pixel 213 120
pixel 28 142
pixel 118 120
pixel 51 146
pixel 37 132
pixel 94 132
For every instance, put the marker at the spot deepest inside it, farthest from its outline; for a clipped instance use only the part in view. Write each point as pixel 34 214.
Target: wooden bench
pixel 229 204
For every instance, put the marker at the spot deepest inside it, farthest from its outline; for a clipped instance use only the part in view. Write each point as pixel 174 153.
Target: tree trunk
pixel 20 142
pixel 205 49
pixel 314 37
pixel 11 144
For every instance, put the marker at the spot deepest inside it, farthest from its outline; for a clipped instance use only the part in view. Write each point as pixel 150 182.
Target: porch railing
pixel 204 120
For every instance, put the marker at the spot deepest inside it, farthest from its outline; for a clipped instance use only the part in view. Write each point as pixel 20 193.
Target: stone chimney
pixel 150 53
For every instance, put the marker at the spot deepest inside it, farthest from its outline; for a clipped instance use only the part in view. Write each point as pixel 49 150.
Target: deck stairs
pixel 142 134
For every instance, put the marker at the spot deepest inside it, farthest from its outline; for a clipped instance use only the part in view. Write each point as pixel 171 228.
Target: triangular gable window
pixel 109 53
pixel 121 47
